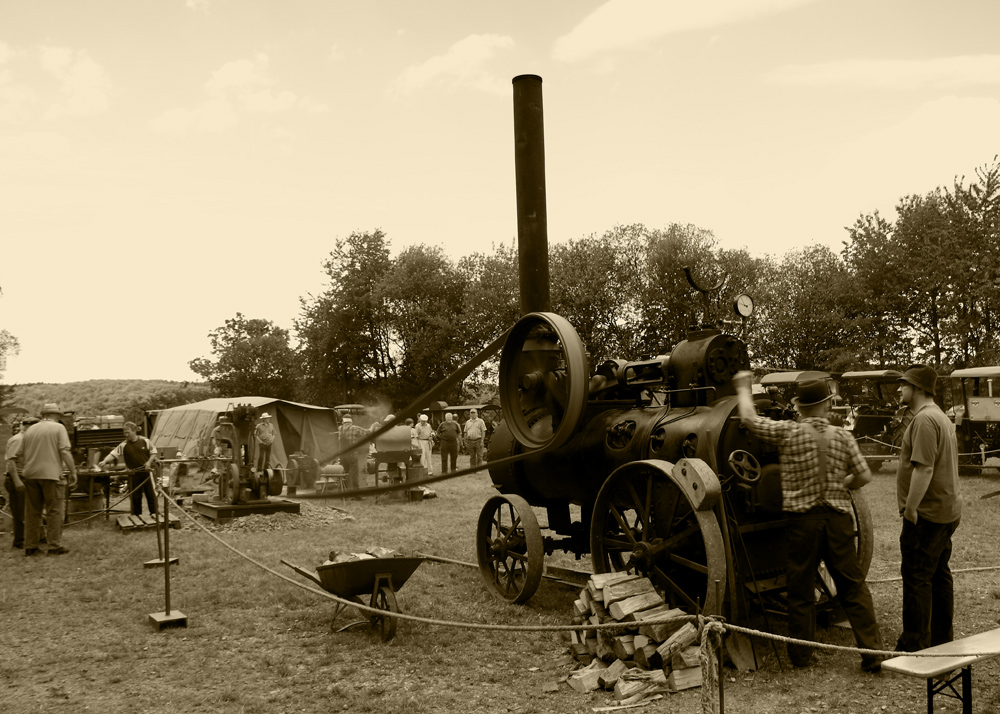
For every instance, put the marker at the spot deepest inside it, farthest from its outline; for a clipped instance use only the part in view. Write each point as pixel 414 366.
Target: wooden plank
pixel 622 608
pixel 124 521
pixel 601 580
pixel 636 681
pixel 148 520
pixel 660 631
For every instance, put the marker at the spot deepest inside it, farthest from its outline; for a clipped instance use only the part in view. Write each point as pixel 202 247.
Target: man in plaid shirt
pixel 819 464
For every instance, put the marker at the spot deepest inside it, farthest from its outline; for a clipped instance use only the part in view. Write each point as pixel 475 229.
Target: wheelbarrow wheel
pixel 385 625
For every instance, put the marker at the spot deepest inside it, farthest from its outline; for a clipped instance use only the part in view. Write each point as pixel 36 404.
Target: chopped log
pixel 686 635
pixel 647 657
pixel 574 637
pixel 659 631
pixel 581 607
pixel 602 580
pixel 649 613
pixel 609 677
pixel 684 679
pixel 624 646
pixel 636 603
pixel 686 658
pixel 641 640
pixel 626 589
pixel 606 645
pixel 635 681
pixel 587 679
pixel 580 652
pixel 597 608
pixel 591 645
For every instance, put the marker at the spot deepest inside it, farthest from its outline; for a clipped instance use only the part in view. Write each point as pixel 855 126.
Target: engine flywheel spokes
pixel 643 523
pixel 509 548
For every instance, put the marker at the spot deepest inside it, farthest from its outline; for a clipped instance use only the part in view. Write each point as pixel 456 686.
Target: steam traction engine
pixel 651 454
pixel 680 491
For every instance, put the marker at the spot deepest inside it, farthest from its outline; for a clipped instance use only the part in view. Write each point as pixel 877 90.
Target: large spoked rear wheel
pixel 509 548
pixel 644 523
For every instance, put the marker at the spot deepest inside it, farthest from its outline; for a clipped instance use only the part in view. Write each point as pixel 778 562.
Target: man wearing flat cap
pixel 820 463
pixel 46 451
pixel 930 503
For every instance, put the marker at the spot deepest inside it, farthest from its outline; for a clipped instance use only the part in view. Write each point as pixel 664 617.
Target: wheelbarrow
pixel 379 578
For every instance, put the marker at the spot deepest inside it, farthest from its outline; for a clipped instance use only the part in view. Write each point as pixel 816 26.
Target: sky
pixel 165 164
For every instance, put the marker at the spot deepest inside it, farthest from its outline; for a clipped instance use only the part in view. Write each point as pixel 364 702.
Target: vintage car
pixel 976 398
pixel 872 413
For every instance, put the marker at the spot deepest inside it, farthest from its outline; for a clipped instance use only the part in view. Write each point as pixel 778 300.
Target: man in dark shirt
pixel 139 455
pixel 449 432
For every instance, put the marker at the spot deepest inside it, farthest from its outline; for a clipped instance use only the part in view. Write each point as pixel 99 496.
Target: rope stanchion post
pixel 167 618
pixel 165 523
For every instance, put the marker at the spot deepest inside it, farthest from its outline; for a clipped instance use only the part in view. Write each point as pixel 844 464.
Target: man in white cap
pixel 930 502
pixel 265 437
pixel 425 432
pixel 46 450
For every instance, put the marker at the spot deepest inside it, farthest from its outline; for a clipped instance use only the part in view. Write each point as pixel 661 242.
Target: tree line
pixel 921 287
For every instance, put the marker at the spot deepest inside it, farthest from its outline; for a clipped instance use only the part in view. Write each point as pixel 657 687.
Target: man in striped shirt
pixel 819 464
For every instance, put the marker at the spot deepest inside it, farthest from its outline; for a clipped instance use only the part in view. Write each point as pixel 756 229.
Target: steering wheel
pixel 745 466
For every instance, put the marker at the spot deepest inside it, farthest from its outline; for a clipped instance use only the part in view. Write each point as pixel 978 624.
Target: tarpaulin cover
pixel 299 427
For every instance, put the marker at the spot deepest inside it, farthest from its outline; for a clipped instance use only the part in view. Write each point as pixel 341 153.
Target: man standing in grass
pixel 475 432
pixel 46 450
pixel 139 454
pixel 931 506
pixel 449 432
pixel 13 482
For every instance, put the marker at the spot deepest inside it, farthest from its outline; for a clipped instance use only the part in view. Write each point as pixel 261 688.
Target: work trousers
pixel 823 533
pixel 425 454
pixel 475 449
pixel 353 464
pixel 141 483
pixel 263 457
pixel 16 501
pixel 449 455
pixel 49 496
pixel 928 588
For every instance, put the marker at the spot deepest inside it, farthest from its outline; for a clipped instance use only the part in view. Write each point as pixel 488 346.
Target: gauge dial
pixel 743 306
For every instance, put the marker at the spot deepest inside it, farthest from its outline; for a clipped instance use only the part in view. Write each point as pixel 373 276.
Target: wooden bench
pixel 941 673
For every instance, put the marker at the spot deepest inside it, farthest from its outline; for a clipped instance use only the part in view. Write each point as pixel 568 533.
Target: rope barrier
pixel 893 447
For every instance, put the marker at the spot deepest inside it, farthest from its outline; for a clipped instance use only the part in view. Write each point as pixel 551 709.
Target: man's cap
pixel 922 377
pixel 52 408
pixel 347 420
pixel 424 417
pixel 265 415
pixel 389 417
pixel 811 392
pixel 473 411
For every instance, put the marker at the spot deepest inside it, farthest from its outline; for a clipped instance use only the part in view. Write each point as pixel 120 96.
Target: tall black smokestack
pixel 529 170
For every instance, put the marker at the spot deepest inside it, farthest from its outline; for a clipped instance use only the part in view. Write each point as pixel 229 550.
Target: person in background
pixel 475 432
pixel 449 432
pixel 356 459
pixel 425 432
pixel 46 451
pixel 264 431
pixel 820 463
pixel 13 482
pixel 930 502
pixel 138 453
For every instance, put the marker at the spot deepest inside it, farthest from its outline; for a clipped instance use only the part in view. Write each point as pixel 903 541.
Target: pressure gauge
pixel 743 305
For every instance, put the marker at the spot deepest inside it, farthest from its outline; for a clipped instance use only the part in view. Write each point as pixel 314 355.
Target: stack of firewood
pixel 641 659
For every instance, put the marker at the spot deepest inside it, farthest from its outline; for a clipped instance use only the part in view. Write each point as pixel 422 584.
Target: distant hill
pixel 126 397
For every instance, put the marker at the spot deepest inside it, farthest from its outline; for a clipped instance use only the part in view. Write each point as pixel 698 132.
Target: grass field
pixel 75 635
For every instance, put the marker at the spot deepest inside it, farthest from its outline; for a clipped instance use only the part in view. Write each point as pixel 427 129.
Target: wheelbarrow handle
pixel 302 571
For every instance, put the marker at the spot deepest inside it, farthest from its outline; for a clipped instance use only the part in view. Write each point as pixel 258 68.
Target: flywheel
pixel 543 365
pixel 653 518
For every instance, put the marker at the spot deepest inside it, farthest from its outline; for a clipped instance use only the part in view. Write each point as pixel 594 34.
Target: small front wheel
pixel 510 549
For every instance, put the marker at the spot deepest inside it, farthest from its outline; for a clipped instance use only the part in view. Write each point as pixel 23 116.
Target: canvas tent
pixel 300 427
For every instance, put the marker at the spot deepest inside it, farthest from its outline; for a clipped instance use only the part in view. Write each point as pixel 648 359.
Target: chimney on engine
pixel 529 170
